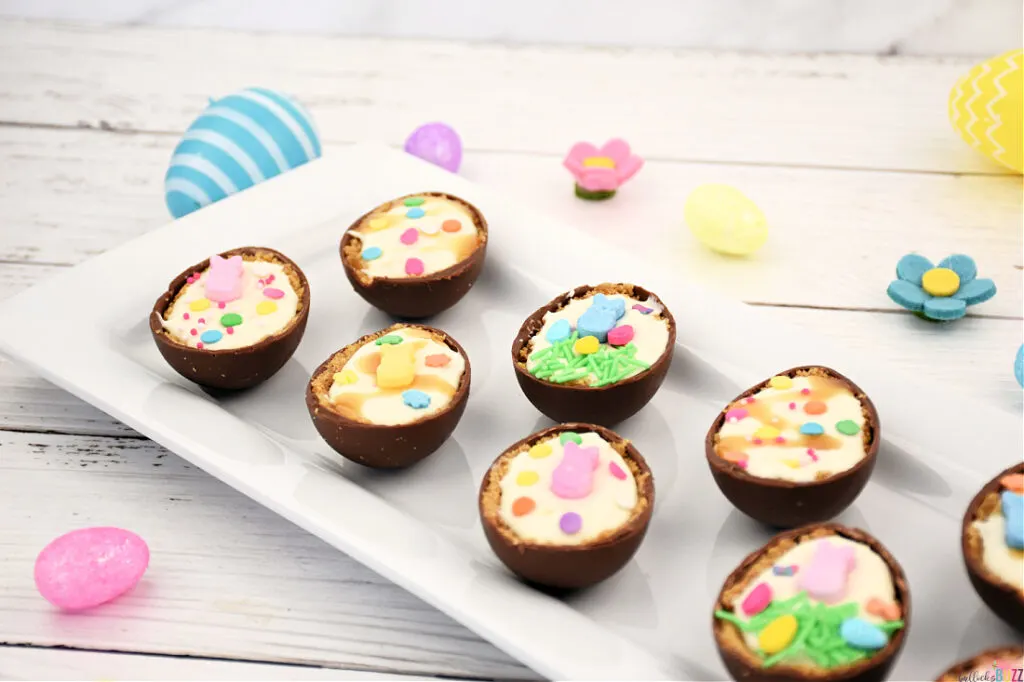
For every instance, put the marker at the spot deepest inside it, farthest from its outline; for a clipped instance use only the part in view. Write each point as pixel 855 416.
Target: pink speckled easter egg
pixel 90 566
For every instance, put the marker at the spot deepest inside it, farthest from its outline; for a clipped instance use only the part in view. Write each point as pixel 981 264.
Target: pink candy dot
pixel 202 320
pixel 193 332
pixel 621 335
pixel 90 566
pixel 780 439
pixel 230 330
pixel 185 316
pixel 757 441
pixel 749 400
pixel 199 345
pixel 221 305
pixel 805 391
pixel 792 406
pixel 410 236
pixel 271 292
pixel 736 414
pixel 414 266
pixel 616 471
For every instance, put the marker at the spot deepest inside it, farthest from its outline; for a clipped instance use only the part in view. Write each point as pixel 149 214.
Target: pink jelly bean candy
pixel 824 578
pixel 621 335
pixel 271 292
pixel 90 566
pixel 758 600
pixel 410 236
pixel 414 266
pixel 573 478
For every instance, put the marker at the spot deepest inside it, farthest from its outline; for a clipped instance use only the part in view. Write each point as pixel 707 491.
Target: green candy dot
pixel 414 201
pixel 567 436
pixel 847 427
pixel 231 320
pixel 390 339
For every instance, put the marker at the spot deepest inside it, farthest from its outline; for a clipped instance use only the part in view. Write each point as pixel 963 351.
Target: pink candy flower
pixel 599 172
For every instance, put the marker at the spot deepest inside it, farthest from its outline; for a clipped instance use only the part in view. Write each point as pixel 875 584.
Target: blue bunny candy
pixel 600 317
pixel 1013 510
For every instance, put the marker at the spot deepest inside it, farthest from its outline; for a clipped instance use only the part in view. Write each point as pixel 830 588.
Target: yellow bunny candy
pixel 397 368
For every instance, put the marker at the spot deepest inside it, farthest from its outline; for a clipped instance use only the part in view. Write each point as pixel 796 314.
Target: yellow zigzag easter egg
pixel 985 107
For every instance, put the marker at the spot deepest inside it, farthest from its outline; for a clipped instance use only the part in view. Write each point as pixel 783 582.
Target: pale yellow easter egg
pixel 725 220
pixel 985 108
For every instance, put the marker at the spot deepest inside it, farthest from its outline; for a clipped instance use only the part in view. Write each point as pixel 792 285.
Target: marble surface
pixel 918 27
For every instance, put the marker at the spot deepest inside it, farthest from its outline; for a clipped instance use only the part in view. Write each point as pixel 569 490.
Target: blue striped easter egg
pixel 239 140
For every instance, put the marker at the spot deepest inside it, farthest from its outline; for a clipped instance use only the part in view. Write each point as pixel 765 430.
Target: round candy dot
pixel 415 399
pixel 90 566
pixel 413 201
pixel 202 320
pixel 523 506
pixel 377 224
pixel 812 429
pixel 940 282
pixel 749 400
pixel 780 382
pixel 369 253
pixel 265 307
pixel 436 360
pixel 621 335
pixel 345 376
pixel 211 336
pixel 271 292
pixel 570 523
pixel 736 414
pixel 805 391
pixel 559 331
pixel 451 226
pixel 815 407
pixel 230 320
pixel 780 439
pixel 230 330
pixel 567 436
pixel 861 634
pixel 184 316
pixel 389 340
pixel 778 634
pixel 199 305
pixel 410 236
pixel 526 478
pixel 792 406
pixel 415 213
pixel 616 471
pixel 847 427
pixel 414 266
pixel 199 345
pixel 767 433
pixel 193 332
pixel 587 345
pixel 540 451
pixel 222 305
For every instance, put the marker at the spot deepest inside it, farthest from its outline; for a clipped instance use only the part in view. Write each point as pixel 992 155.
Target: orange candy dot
pixel 886 610
pixel 523 506
pixel 438 360
pixel 815 407
pixel 451 226
pixel 1013 482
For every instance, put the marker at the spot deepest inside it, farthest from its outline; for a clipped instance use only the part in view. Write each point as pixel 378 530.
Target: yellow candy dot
pixel 199 305
pixel 791 463
pixel 266 307
pixel 586 345
pixel 598 162
pixel 767 433
pixel 377 223
pixel 540 451
pixel 778 634
pixel 940 282
pixel 527 478
pixel 780 382
pixel 346 376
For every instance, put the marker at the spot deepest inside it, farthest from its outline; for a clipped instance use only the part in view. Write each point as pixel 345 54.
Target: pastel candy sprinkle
pixel 211 336
pixel 1013 510
pixel 1014 482
pixel 860 634
pixel 410 236
pixel 346 376
pixel 527 478
pixel 570 523
pixel 451 226
pixel 90 566
pixel 523 506
pixel 736 414
pixel 812 429
pixel 758 599
pixel 415 213
pixel 199 305
pixel 570 436
pixel 621 335
pixel 415 398
pixel 616 471
pixel 815 407
pixel 847 427
pixel 643 310
pixel 824 578
pixel 414 201
pixel 785 570
pixel 230 320
pixel 414 266
pixel 805 391
pixel 369 253
pixel 883 609
pixel 389 340
pixel 273 292
pixel 573 478
pixel 376 224
pixel 266 307
pixel 436 360
pixel 559 331
pixel 780 383
pixel 230 330
pixel 540 451
pixel 767 433
pixel 778 634
pixel 586 346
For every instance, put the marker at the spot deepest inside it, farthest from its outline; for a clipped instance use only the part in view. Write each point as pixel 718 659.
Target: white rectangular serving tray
pixel 419 527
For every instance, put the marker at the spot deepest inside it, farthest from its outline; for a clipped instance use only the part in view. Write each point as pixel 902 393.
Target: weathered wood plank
pixel 227 579
pixel 833 111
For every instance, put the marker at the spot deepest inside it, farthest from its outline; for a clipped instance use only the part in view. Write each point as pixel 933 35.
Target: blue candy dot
pixel 415 213
pixel 211 336
pixel 812 429
pixel 860 634
pixel 372 253
pixel 559 331
pixel 415 399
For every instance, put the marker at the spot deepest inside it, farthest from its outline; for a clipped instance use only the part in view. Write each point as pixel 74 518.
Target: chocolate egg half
pixel 821 603
pixel 567 507
pixel 415 256
pixel 234 325
pixel 392 397
pixel 595 354
pixel 991 528
pixel 795 449
pixel 983 666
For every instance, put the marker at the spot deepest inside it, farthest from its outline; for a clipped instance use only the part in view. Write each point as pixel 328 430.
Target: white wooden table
pixel 852 159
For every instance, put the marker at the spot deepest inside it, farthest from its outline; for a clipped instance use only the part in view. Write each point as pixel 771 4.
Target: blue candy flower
pixel 940 292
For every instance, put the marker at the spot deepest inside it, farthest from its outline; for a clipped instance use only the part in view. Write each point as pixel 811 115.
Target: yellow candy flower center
pixel 598 162
pixel 940 282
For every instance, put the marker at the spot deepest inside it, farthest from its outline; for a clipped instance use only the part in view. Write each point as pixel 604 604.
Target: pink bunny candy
pixel 824 578
pixel 573 478
pixel 224 280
